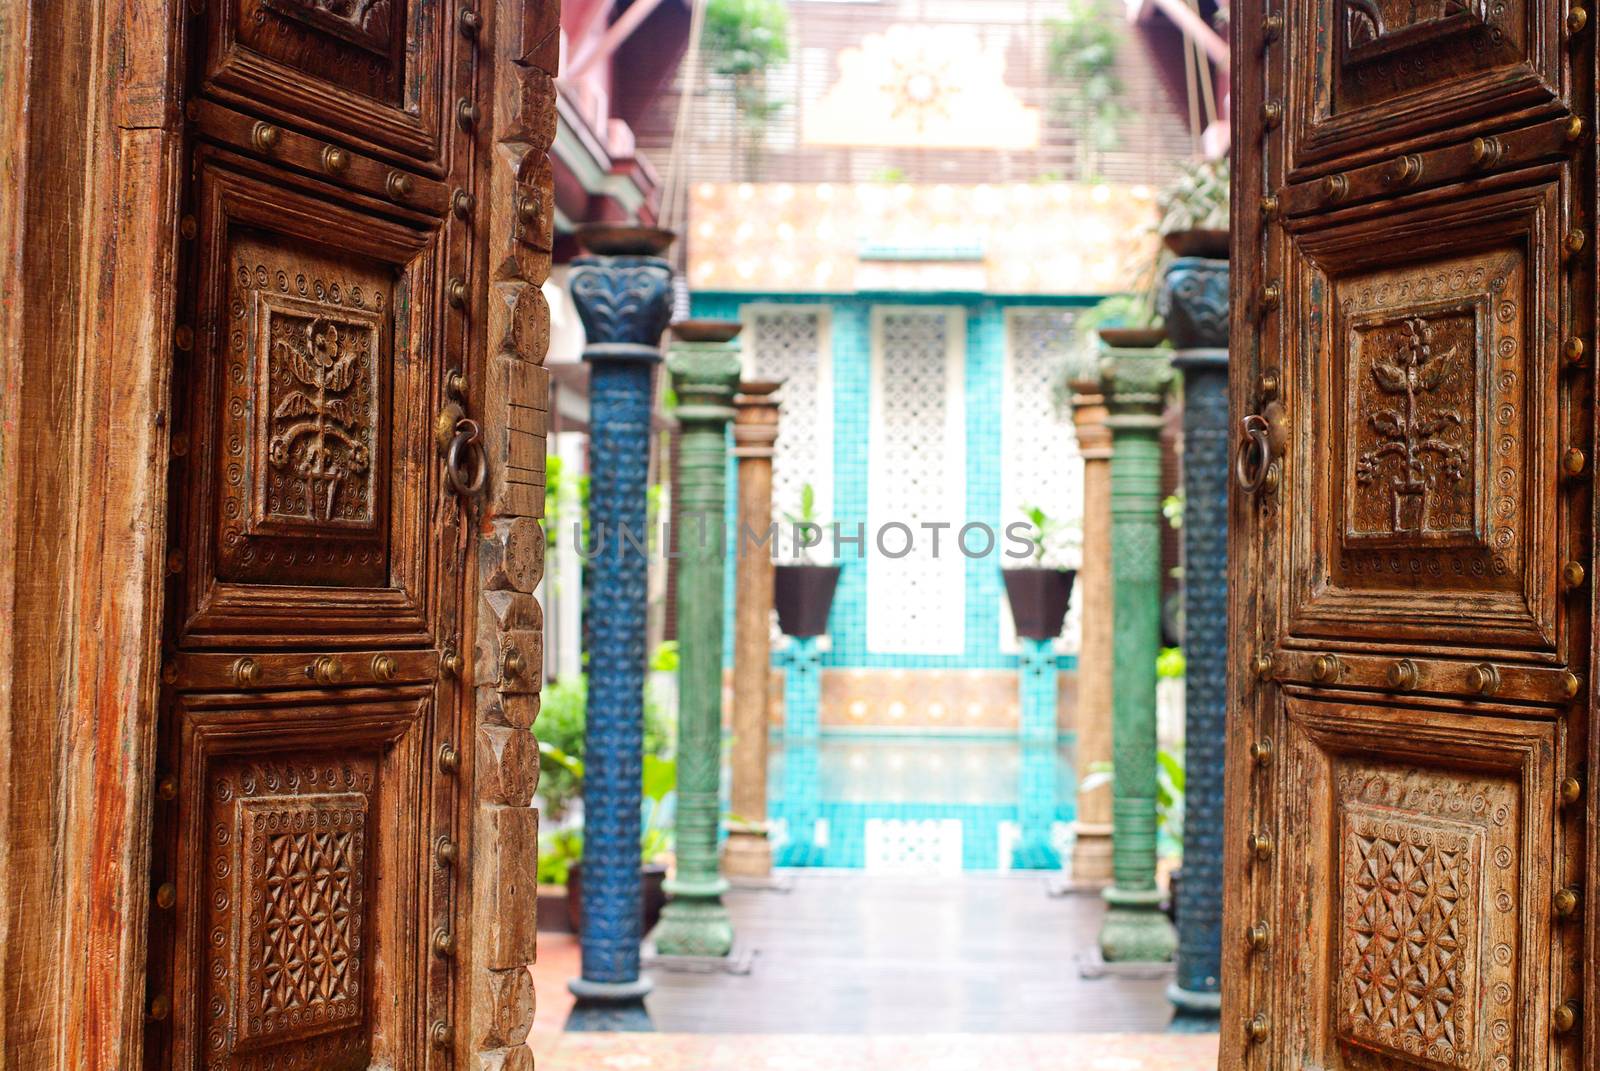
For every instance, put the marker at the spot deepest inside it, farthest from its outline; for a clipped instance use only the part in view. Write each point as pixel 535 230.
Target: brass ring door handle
pixel 1254 457
pixel 464 462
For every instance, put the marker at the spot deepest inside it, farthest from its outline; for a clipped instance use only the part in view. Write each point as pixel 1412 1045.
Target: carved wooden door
pixel 1413 291
pixel 308 907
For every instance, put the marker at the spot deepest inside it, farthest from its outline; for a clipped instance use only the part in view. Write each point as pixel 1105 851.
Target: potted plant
pixel 803 590
pixel 1123 320
pixel 1040 590
pixel 1194 210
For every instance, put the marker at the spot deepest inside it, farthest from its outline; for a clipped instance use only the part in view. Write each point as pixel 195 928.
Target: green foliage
pixel 889 175
pixel 1172 510
pixel 557 486
pixel 1050 536
pixel 806 516
pixel 561 728
pixel 1083 54
pixel 744 39
pixel 665 659
pixel 1170 781
pixel 1170 663
pixel 1197 199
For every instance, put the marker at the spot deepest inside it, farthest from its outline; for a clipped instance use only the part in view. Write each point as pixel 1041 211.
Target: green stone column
pixel 1135 384
pixel 705 376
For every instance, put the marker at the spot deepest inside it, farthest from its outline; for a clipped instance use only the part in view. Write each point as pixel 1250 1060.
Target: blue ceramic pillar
pixel 1036 790
pixel 802 724
pixel 625 301
pixel 1196 301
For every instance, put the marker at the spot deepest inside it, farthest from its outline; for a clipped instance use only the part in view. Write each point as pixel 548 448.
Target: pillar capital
pixel 705 376
pixel 1134 383
pixel 625 303
pixel 755 421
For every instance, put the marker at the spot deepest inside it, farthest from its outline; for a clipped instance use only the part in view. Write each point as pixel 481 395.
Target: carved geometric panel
pixel 303 493
pixel 287 920
pixel 1424 429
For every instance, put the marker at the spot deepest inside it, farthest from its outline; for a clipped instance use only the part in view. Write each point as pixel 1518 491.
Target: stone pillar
pixel 802 718
pixel 1036 796
pixel 748 852
pixel 1196 297
pixel 1135 384
pixel 705 376
pixel 625 301
pixel 1091 850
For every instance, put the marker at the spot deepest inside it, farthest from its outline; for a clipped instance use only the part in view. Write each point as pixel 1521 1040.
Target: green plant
pixel 557 853
pixel 1170 781
pixel 806 518
pixel 1170 663
pixel 561 734
pixel 1083 56
pixel 1049 536
pixel 1197 199
pixel 744 40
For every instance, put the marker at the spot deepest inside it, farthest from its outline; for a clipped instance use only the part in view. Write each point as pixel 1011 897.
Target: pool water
pixel 921 805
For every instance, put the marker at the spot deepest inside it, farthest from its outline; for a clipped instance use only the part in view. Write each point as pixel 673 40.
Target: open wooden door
pixel 309 906
pixel 1412 560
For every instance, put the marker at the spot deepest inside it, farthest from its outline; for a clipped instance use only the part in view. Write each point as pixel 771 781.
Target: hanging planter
pixel 803 595
pixel 1039 596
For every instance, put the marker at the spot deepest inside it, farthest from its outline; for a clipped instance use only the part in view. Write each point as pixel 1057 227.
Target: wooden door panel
pixel 302 816
pixel 309 500
pixel 1425 441
pixel 1392 70
pixel 368 72
pixel 1416 868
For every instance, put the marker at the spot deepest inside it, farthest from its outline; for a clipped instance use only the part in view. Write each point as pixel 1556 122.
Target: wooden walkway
pixel 846 952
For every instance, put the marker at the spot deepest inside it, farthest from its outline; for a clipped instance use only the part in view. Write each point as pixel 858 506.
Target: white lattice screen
pixel 916 472
pixel 1039 461
pixel 791 343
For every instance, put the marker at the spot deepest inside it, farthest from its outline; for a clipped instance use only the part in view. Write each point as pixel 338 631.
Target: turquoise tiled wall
pixel 852 365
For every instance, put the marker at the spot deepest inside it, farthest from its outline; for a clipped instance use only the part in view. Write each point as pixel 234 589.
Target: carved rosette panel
pixel 1424 855
pixel 304 418
pixel 287 922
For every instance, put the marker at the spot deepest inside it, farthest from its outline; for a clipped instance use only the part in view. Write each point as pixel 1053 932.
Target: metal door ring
pixel 1255 454
pixel 466 438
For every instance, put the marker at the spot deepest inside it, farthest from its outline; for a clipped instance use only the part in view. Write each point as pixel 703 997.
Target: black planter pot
pixel 652 876
pixel 1039 598
pixel 803 595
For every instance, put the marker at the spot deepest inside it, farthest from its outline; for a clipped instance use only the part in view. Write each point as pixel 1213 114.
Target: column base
pixel 694 927
pixel 747 853
pixel 605 1007
pixel 1091 855
pixel 1135 930
pixel 1194 1012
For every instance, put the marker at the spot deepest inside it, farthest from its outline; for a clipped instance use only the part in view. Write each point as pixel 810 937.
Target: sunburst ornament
pixel 920 90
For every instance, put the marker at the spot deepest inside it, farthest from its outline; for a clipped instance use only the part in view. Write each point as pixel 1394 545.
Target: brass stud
pixel 469 22
pixel 462 203
pixel 1574 127
pixel 166 895
pixel 183 337
pixel 384 667
pixel 456 291
pixel 449 758
pixel 1271 294
pixel 169 673
pixel 1274 476
pixel 1577 19
pixel 1572 575
pixel 1263 665
pixel 1573 461
pixel 1565 902
pixel 175 562
pixel 466 113
pixel 1572 349
pixel 1565 1017
pixel 446 852
pixel 1570 792
pixel 513 663
pixel 1570 684
pixel 334 159
pixel 161 1007
pixel 1258 936
pixel 1484 678
pixel 440 1035
pixel 1256 1028
pixel 1486 152
pixel 1269 383
pixel 326 669
pixel 528 209
pixel 1335 188
pixel 1260 845
pixel 1272 113
pixel 187 226
pixel 1573 242
pixel 1270 205
pixel 444 943
pixel 400 185
pixel 246 672
pixel 1407 170
pixel 1325 668
pixel 455 383
pixel 1271 28
pixel 1261 751
pixel 265 136
pixel 167 788
pixel 450 662
pixel 1403 674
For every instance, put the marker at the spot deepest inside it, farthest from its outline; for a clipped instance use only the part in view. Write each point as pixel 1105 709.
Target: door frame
pixel 86 330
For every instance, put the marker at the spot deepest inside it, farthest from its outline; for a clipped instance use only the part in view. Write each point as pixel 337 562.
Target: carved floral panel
pixel 303 494
pixel 287 914
pixel 357 45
